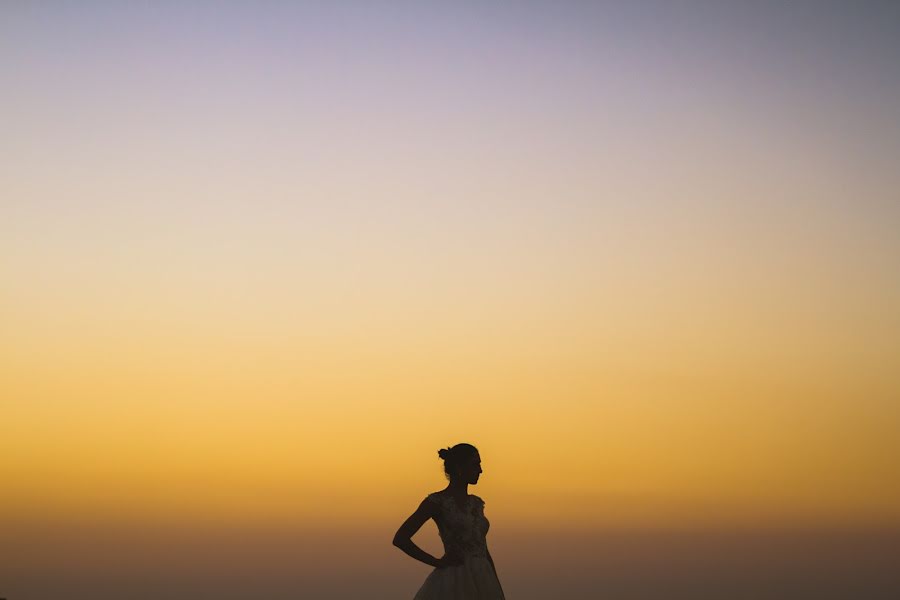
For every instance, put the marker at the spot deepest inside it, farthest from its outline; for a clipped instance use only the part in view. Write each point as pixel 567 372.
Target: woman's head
pixel 462 462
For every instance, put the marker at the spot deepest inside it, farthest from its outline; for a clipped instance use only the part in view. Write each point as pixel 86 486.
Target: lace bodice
pixel 462 531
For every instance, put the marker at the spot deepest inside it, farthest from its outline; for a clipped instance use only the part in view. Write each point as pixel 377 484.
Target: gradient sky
pixel 261 261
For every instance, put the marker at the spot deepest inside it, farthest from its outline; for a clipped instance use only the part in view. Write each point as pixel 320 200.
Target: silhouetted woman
pixel 466 571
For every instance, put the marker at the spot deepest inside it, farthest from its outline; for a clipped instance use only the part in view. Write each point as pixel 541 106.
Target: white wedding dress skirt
pixel 473 580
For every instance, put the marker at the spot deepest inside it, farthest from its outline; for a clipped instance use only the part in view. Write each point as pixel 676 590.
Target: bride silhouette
pixel 466 571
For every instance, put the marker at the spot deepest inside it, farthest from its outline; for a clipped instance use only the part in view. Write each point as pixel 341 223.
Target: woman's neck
pixel 458 488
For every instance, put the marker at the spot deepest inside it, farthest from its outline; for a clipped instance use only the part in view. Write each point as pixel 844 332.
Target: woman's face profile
pixel 471 469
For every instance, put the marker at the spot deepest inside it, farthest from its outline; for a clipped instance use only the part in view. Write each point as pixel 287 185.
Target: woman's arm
pixel 403 537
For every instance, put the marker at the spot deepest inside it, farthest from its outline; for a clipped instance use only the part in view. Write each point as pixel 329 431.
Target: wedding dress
pixel 463 533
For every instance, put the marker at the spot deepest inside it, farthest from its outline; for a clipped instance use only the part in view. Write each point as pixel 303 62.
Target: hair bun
pixel 444 453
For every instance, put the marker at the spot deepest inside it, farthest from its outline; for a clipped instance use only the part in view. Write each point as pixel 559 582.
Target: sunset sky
pixel 260 260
